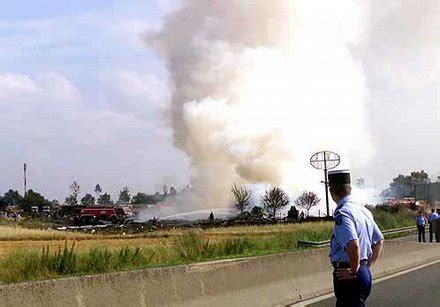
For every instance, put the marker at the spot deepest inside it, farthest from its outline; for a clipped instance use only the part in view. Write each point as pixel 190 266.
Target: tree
pixel 97 190
pixel 307 200
pixel 2 203
pixel 105 199
pixel 242 197
pixel 124 195
pixel 12 198
pixel 173 191
pixel 72 199
pixel 88 200
pixel 273 200
pixel 139 198
pixel 165 189
pixel 292 214
pixel 33 198
pixel 405 186
pixel 257 212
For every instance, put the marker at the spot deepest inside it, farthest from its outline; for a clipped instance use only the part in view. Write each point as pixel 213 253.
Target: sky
pixel 82 96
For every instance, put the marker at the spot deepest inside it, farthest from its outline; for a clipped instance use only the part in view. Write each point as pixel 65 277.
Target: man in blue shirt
pixel 431 218
pixel 355 245
pixel 421 223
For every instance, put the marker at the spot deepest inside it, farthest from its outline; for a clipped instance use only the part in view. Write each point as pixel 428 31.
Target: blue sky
pixel 82 97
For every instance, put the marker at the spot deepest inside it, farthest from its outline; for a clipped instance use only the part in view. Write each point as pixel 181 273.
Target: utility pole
pixel 24 180
pixel 326 184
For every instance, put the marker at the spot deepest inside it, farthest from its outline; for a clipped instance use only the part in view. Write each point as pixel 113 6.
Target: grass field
pixel 17 238
pixel 29 254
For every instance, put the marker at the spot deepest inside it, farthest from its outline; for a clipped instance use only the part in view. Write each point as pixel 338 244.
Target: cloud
pixel 48 123
pixel 140 94
pixel 49 92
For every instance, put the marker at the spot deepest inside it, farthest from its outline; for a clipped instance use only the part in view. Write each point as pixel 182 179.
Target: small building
pixel 429 193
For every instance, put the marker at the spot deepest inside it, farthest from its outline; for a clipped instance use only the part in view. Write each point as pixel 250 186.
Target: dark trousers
pixel 430 232
pixel 421 231
pixel 353 292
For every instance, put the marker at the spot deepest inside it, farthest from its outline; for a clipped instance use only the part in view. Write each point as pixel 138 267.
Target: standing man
pixel 431 219
pixel 421 222
pixel 355 245
pixel 436 227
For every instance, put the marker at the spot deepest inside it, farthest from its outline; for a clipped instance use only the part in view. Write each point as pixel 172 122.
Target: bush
pixel 235 246
pixel 31 265
pixel 388 217
pixel 97 260
pixel 189 247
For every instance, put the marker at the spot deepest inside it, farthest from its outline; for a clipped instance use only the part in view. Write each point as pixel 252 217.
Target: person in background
pixel 421 223
pixel 436 226
pixel 431 220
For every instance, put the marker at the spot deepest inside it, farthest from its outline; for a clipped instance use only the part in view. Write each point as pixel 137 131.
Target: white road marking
pixel 375 281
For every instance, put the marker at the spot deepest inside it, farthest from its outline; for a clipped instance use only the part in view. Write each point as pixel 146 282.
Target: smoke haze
pixel 259 86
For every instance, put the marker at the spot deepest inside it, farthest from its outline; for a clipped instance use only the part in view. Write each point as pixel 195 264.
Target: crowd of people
pixel 433 220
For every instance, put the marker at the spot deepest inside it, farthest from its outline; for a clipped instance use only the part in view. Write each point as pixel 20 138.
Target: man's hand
pixel 353 253
pixel 377 250
pixel 345 274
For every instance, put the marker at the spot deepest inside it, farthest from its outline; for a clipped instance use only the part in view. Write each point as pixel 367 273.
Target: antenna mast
pixel 24 180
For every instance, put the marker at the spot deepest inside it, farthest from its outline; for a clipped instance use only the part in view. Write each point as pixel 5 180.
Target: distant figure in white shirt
pixel 431 220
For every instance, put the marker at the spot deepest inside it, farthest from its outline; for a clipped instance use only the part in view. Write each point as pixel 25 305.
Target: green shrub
pixel 394 218
pixel 190 247
pixel 97 260
pixel 237 246
pixel 24 265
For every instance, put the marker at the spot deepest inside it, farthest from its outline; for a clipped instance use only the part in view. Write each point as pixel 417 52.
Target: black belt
pixel 337 265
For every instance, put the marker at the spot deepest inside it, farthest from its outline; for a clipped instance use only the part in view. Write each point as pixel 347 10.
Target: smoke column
pixel 258 86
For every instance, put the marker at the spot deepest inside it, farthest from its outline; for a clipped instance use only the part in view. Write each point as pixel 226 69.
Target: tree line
pixel 273 200
pixel 32 198
pixel 405 185
pixel 124 197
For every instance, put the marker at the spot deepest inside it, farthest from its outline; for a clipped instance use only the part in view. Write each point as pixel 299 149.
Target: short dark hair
pixel 341 189
pixel 433 210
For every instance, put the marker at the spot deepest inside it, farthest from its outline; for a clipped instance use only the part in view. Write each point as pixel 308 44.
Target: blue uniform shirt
pixel 432 216
pixel 420 220
pixel 353 222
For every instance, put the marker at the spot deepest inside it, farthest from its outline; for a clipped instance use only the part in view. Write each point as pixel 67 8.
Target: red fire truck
pixel 93 215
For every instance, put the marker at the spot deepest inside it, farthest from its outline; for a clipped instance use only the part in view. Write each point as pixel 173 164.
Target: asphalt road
pixel 418 288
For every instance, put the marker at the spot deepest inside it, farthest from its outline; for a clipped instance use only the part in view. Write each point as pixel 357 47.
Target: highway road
pixel 417 288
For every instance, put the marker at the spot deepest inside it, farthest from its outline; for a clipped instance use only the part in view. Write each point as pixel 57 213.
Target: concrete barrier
pixel 270 280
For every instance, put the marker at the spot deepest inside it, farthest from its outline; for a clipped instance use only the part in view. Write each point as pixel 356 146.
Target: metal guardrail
pixel 305 243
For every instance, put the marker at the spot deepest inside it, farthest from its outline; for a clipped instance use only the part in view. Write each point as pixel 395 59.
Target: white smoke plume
pixel 258 86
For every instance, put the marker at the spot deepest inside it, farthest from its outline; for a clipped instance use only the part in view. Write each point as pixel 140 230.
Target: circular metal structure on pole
pixel 325 160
